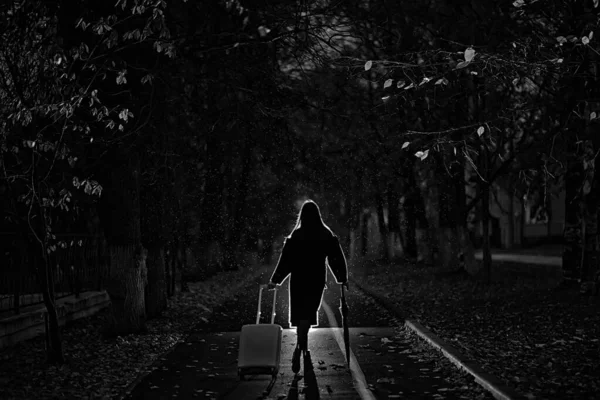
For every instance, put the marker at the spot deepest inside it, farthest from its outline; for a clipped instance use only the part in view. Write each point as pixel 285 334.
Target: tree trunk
pixel 393 202
pixel 153 201
pixel 352 222
pixel 42 262
pixel 128 274
pixel 348 241
pixel 168 262
pixel 467 252
pixel 126 289
pixel 212 204
pixel 427 211
pixel 183 286
pixel 511 204
pixel 54 349
pixel 423 236
pixel 410 239
pixel 382 227
pixel 591 248
pixel 364 233
pixel 511 219
pixel 522 224
pixel 485 214
pixel 591 190
pixel 173 270
pixel 573 230
pixel 156 293
pixel 449 247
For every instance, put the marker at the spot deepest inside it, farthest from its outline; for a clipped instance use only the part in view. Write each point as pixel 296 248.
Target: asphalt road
pixel 388 363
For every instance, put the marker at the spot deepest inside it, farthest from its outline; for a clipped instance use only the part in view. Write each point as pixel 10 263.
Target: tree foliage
pixel 235 109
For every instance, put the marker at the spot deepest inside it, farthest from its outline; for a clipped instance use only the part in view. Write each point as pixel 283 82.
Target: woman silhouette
pixel 303 258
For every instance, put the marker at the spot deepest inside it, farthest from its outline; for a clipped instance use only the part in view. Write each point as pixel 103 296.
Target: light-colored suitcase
pixel 260 345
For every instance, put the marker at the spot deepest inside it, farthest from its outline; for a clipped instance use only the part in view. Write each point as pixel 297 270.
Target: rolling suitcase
pixel 260 345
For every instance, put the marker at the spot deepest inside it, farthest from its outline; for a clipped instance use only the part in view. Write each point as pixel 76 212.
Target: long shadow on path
pixel 205 365
pixel 311 391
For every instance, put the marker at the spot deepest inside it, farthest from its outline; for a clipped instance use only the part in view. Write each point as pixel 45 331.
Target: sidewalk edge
pixel 489 382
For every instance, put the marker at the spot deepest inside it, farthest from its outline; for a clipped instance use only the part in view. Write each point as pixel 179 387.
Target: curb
pixel 489 382
pixel 150 368
pixel 492 384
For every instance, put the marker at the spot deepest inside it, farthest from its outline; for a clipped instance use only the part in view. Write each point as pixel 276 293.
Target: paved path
pixel 385 366
pixel 555 261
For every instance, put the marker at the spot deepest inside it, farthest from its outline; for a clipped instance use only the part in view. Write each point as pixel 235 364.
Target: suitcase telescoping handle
pixel 262 287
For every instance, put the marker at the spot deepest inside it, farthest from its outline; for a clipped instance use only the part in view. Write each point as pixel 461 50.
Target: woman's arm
pixel 337 261
pixel 284 265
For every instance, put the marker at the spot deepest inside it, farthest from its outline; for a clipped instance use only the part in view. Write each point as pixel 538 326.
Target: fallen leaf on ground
pixel 103 368
pixel 520 326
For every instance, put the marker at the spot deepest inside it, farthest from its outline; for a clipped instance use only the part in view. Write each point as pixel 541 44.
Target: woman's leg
pixel 301 345
pixel 299 336
pixel 303 328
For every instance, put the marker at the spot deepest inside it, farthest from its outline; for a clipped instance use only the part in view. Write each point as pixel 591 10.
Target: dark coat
pixel 304 258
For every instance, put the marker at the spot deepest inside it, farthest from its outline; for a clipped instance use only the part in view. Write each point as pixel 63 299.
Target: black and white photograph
pixel 299 200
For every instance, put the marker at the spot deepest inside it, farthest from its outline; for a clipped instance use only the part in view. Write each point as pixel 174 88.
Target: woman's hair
pixel 309 218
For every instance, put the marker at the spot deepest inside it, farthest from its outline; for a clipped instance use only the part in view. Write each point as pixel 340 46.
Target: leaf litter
pixel 97 367
pixel 537 337
pixel 407 380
